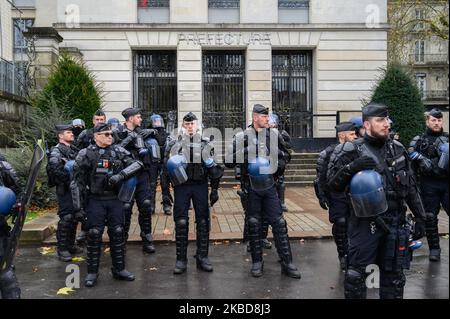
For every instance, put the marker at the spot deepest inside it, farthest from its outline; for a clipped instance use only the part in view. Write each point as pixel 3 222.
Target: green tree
pixel 71 82
pixel 398 91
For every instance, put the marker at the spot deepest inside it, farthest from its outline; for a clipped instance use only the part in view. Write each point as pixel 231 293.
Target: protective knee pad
pixel 127 207
pixel 146 206
pixel 253 222
pixel 117 230
pixel 181 223
pixel 280 225
pixel 94 234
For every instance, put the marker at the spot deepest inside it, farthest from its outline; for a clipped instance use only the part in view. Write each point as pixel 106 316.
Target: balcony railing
pixel 429 58
pixel 9 78
pixel 434 96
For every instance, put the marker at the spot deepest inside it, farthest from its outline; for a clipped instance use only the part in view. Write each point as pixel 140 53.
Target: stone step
pixel 289 172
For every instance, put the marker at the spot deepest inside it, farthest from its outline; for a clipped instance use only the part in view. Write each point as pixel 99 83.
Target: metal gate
pixel 223 89
pixel 291 91
pixel 155 83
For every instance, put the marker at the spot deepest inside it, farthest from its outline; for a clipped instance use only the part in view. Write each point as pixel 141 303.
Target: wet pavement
pixel 41 276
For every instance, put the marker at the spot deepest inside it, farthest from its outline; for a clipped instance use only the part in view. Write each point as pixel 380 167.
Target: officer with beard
pixel 250 149
pixel 376 173
pixel 132 137
pixel 429 152
pixel 190 164
pixel 336 203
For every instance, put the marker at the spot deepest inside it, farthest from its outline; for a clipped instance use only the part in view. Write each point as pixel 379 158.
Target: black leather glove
pixel 419 228
pixel 323 202
pixel 115 179
pixel 362 163
pixel 213 197
pixel 80 215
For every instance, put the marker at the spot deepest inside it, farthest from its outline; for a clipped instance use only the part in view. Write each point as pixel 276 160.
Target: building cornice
pixel 221 26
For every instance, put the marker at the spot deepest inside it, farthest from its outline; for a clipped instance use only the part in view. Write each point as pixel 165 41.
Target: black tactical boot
pixel 355 284
pixel 117 245
pixel 167 209
pixel 63 235
pixel 181 237
pixel 94 246
pixel 9 286
pixel 392 285
pixel 280 234
pixel 254 236
pixel 147 243
pixel 203 262
pixel 432 232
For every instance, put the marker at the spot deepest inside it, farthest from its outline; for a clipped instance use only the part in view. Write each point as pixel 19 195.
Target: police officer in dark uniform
pixel 78 127
pixel 59 171
pixel 131 137
pixel 157 146
pixel 359 127
pixel 376 173
pixel 190 163
pixel 336 203
pixel 251 150
pixel 10 193
pixel 99 171
pixel 426 151
pixel 86 137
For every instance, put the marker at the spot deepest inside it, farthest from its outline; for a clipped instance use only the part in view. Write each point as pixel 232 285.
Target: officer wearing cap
pixel 375 172
pixel 131 137
pixel 259 166
pixel 190 164
pixel 59 174
pixel 336 203
pixel 100 170
pixel 426 152
pixel 86 137
pixel 9 286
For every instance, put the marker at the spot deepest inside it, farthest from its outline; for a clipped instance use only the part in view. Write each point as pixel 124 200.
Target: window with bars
pixel 153 3
pixel 228 4
pixel 293 3
pixel 153 11
pixel 293 11
pixel 223 11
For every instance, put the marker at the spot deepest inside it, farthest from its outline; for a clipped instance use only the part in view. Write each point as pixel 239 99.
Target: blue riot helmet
pixel 215 171
pixel 443 159
pixel 357 122
pixel 153 149
pixel 7 200
pixel 274 120
pixel 114 123
pixel 156 121
pixel 367 194
pixel 260 178
pixel 68 167
pixel 176 167
pixel 127 189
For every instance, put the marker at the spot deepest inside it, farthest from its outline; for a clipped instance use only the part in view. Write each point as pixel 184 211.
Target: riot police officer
pixel 78 127
pixel 132 137
pixel 250 149
pixel 426 150
pixel 157 146
pixel 337 204
pixel 86 137
pixel 59 171
pixel 190 163
pixel 375 171
pixel 115 123
pixel 99 171
pixel 10 192
pixel 359 127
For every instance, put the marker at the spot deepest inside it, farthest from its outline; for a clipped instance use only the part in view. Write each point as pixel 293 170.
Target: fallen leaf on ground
pixel 167 232
pixel 445 236
pixel 226 242
pixel 237 242
pixel 302 241
pixel 153 269
pixel 217 243
pixel 78 259
pixel 47 250
pixel 65 291
pixel 107 250
pixel 35 268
